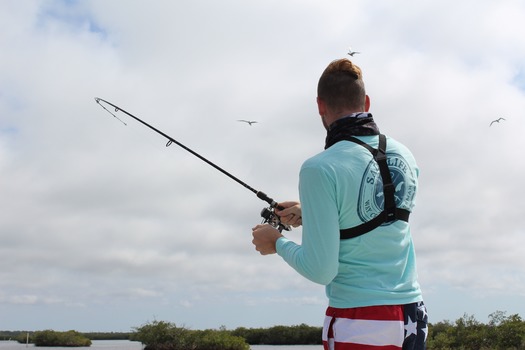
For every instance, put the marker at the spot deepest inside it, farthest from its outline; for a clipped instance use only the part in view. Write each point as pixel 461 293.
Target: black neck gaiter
pixel 357 124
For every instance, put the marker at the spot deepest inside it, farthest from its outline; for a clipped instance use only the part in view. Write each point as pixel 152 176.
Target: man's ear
pixel 321 107
pixel 367 103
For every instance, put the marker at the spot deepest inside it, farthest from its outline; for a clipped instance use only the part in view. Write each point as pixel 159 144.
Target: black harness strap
pixel 390 212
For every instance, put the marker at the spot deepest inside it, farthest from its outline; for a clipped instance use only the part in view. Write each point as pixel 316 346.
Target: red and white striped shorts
pixel 385 327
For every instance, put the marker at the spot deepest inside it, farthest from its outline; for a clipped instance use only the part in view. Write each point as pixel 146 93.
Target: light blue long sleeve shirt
pixel 341 188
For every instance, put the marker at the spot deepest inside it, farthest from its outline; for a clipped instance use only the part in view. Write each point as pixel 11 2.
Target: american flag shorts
pixel 385 327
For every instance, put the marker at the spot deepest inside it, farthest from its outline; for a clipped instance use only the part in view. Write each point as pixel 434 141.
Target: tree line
pixel 502 332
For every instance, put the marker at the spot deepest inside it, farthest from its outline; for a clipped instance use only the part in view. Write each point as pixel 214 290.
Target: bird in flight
pixel 352 53
pixel 496 121
pixel 247 121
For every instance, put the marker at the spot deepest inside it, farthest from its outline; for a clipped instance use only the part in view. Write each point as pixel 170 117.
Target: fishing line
pixel 267 213
pixel 116 110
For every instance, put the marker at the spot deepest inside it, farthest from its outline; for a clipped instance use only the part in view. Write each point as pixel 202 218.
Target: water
pixel 95 345
pixel 133 345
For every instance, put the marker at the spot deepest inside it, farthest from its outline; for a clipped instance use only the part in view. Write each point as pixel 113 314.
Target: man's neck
pixel 332 117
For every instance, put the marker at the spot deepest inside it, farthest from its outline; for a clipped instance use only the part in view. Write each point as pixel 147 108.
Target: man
pixel 355 201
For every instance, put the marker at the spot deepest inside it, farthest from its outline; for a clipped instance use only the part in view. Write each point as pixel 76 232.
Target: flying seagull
pixel 496 121
pixel 247 121
pixel 352 53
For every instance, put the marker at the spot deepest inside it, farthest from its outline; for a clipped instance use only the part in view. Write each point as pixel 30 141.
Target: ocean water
pixel 133 345
pixel 95 345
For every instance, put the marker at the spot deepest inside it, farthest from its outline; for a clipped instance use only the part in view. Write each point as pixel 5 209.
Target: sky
pixel 104 228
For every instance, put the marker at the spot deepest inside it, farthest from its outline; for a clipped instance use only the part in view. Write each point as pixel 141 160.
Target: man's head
pixel 341 90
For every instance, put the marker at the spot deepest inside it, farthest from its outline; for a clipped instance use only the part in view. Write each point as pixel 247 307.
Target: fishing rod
pixel 268 214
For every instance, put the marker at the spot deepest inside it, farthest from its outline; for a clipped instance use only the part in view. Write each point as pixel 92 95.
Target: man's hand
pixel 264 238
pixel 291 214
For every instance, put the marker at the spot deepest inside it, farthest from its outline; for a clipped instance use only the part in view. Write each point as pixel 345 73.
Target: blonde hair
pixel 341 86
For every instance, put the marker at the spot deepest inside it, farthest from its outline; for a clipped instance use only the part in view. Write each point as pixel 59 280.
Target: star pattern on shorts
pixel 410 328
pixel 423 309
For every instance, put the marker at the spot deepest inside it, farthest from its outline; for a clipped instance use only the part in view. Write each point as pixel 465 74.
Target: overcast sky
pixel 103 228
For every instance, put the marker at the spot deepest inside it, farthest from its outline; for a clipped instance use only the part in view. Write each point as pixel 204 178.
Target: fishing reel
pixel 273 219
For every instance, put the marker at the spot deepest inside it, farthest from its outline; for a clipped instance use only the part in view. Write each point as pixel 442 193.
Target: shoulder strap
pixel 390 211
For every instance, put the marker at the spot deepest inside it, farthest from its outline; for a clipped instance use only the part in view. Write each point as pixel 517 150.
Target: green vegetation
pixel 501 333
pixel 281 335
pixel 52 338
pixel 107 335
pixel 160 335
pixel 24 337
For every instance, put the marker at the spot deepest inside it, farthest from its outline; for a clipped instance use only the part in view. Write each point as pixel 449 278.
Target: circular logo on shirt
pixel 371 199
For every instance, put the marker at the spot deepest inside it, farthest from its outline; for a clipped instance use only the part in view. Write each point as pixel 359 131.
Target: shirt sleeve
pixel 317 256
